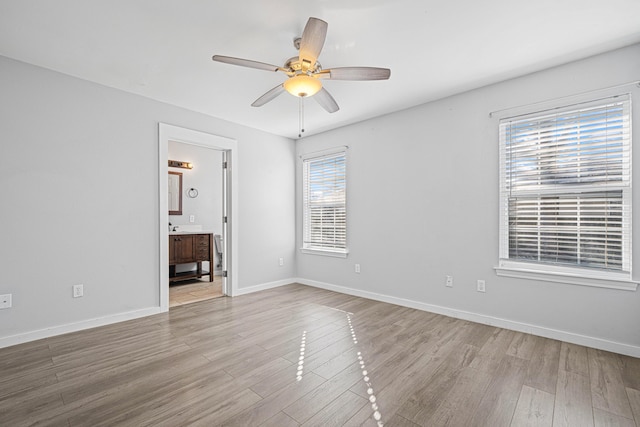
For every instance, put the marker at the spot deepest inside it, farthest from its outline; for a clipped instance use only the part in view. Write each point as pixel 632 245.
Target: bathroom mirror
pixel 175 193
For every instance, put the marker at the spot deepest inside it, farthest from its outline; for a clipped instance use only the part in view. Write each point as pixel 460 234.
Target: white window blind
pixel 324 203
pixel 566 189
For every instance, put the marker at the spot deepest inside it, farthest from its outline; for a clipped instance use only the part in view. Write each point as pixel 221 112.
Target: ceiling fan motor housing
pixel 294 65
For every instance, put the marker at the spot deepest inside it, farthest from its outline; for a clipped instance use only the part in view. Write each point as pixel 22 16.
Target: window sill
pixel 325 252
pixel 521 273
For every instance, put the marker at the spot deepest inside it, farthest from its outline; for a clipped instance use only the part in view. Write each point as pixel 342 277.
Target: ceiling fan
pixel 305 72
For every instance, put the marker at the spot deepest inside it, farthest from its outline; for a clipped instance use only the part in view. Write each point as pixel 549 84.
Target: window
pixel 565 191
pixel 324 203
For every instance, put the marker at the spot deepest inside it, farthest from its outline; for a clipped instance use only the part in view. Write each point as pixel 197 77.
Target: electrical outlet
pixel 481 286
pixel 449 282
pixel 78 291
pixel 192 218
pixel 281 261
pixel 5 301
pixel 357 267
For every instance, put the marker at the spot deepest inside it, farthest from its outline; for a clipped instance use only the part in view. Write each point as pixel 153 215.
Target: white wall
pixel 423 203
pixel 206 177
pixel 79 191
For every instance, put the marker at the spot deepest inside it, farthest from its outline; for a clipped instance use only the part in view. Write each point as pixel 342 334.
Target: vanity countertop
pixel 175 233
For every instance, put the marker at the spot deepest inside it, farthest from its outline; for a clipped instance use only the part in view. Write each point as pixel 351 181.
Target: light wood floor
pixel 190 291
pixel 296 355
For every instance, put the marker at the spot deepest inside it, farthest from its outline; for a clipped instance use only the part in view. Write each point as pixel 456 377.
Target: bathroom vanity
pixel 190 247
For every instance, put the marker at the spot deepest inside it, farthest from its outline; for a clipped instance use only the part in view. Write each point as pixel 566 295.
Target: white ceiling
pixel 162 49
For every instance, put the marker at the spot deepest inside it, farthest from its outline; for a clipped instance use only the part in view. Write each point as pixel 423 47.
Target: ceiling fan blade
pixel 269 96
pixel 246 63
pixel 326 101
pixel 313 36
pixel 357 73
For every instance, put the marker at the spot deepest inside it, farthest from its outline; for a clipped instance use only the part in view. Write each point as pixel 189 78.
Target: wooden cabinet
pixel 181 249
pixel 203 245
pixel 190 248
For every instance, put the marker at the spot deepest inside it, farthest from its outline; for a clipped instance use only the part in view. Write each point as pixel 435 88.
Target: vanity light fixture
pixel 178 164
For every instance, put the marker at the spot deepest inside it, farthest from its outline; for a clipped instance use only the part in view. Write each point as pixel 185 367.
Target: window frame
pixel 554 272
pixel 307 246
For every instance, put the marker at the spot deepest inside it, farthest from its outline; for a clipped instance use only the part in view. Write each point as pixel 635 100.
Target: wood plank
pixel 631 371
pixel 477 334
pixel 27 381
pixel 543 368
pixel 573 358
pixel 398 421
pixel 458 407
pixel 336 365
pixel 150 399
pixel 312 360
pixel 306 407
pixel 34 406
pixel 534 409
pixel 280 420
pixel 573 401
pixel 607 386
pixel 606 419
pixel 203 412
pixel 634 400
pixel 81 386
pixel 317 344
pixel 339 411
pixel 491 354
pixel 522 346
pixel 18 359
pixel 499 402
pixel 274 403
pixel 439 381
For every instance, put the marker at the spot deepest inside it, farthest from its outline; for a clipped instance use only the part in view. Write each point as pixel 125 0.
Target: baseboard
pixel 569 337
pixel 107 320
pixel 262 287
pixel 76 326
pixel 626 349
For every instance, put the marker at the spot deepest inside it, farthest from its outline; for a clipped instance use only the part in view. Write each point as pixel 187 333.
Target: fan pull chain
pixel 301 117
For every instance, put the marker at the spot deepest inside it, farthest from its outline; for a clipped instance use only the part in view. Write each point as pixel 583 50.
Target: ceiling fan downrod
pixel 301 117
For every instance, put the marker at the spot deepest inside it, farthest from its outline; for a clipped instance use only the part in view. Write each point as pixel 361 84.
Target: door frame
pixel 168 133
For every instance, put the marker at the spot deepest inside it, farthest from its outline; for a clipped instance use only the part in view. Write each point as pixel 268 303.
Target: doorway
pixel 196 214
pixel 196 219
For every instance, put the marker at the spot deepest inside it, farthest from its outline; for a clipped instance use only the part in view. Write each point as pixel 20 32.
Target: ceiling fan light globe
pixel 302 85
